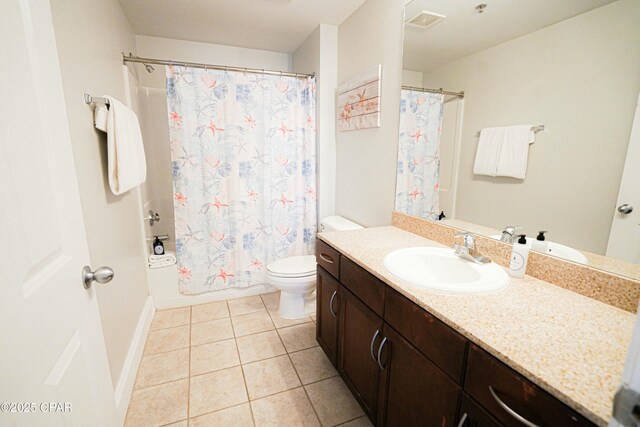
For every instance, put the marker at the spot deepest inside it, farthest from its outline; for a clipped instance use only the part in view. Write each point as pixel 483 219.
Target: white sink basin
pixel 441 270
pixel 558 250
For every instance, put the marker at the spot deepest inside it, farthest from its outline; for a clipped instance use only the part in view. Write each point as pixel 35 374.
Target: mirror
pixel 569 74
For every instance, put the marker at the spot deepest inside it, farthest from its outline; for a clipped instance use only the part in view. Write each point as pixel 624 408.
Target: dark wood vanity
pixel 407 368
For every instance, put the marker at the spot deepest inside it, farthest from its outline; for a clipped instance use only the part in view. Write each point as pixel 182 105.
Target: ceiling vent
pixel 425 19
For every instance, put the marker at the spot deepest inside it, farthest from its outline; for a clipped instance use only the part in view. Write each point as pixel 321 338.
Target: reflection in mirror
pixel 525 114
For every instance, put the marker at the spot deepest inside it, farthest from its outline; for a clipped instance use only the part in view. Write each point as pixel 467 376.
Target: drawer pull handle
pixel 384 341
pixel 333 296
pixel 326 258
pixel 463 419
pixel 373 343
pixel 510 411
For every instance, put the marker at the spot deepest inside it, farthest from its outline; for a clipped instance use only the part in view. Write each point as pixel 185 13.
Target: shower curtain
pixel 244 174
pixel 418 169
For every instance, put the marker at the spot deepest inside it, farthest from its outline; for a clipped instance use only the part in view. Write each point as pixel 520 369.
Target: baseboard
pixel 124 389
pixel 164 302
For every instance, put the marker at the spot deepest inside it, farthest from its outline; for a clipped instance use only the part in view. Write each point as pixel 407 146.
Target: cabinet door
pixel 413 391
pixel 472 415
pixel 358 327
pixel 327 289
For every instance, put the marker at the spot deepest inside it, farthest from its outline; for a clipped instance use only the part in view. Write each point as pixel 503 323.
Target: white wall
pixel 412 78
pixel 208 53
pixel 366 159
pixel 580 78
pixel 319 54
pixel 90 36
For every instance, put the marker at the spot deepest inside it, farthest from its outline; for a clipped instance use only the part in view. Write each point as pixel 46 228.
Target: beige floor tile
pixel 312 365
pixel 358 422
pixel 214 356
pixel 271 301
pixel 162 404
pixel 246 305
pixel 167 339
pixel 211 331
pixel 270 376
pixel 216 390
pixel 236 416
pixel 162 367
pixel 170 318
pixel 183 423
pixel 291 408
pixel 210 311
pixel 299 337
pixel 252 323
pixel 260 346
pixel 333 401
pixel 280 322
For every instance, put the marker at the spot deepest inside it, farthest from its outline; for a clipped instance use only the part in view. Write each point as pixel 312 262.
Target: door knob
pixel 101 275
pixel 625 209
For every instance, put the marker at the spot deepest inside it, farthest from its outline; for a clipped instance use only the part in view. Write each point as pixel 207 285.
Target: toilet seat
pixel 291 267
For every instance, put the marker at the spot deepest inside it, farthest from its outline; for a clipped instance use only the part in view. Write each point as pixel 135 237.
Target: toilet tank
pixel 338 223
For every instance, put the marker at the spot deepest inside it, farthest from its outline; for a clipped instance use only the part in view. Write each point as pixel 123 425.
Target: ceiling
pixel 276 25
pixel 465 31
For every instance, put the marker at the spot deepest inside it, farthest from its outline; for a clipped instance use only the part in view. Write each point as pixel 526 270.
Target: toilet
pixel 295 276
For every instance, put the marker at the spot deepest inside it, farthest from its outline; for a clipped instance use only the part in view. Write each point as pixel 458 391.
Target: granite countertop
pixel 572 346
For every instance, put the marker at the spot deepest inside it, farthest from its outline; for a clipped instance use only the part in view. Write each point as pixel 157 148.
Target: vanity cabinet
pixel 413 391
pixel 327 288
pixel 407 368
pixel 359 330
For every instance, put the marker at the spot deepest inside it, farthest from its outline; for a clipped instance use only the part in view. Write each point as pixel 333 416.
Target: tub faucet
pixel 468 249
pixel 509 233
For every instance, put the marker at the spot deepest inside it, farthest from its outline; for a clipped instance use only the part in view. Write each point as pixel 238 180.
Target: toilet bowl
pixel 295 276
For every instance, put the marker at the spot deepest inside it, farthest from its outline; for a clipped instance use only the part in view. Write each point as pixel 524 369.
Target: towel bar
pixel 88 99
pixel 538 128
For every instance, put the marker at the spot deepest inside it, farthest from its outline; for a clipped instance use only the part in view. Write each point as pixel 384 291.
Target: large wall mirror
pixel 525 114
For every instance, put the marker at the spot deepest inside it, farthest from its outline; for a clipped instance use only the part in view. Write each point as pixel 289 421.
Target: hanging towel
pixel 127 163
pixel 488 151
pixel 514 151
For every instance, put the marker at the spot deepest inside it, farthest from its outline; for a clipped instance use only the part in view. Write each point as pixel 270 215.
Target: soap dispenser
pixel 540 244
pixel 158 246
pixel 519 257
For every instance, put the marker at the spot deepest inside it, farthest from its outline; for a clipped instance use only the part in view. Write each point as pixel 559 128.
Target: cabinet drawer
pixel 363 284
pixel 328 258
pixel 444 346
pixel 506 395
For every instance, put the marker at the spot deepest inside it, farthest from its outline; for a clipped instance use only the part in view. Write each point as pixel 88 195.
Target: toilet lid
pixel 293 266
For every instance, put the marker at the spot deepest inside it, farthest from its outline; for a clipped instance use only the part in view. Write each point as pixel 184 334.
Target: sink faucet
pixel 468 250
pixel 509 233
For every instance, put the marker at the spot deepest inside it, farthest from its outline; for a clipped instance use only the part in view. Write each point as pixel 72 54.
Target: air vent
pixel 425 19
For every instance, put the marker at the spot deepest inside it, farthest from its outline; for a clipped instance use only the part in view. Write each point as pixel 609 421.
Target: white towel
pixel 488 151
pixel 127 163
pixel 157 261
pixel 168 255
pixel 514 152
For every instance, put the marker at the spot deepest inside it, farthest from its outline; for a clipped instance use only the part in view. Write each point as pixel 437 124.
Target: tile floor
pixel 236 363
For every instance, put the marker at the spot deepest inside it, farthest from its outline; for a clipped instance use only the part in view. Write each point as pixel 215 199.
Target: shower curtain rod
pixel 442 91
pixel 140 60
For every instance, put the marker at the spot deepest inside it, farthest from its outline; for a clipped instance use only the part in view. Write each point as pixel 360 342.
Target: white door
pixel 624 240
pixel 53 359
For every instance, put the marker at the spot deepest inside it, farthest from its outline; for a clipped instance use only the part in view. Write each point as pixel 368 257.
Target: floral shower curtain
pixel 244 174
pixel 418 169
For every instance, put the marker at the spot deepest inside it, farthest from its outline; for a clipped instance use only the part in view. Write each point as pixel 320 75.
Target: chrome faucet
pixel 509 233
pixel 468 250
